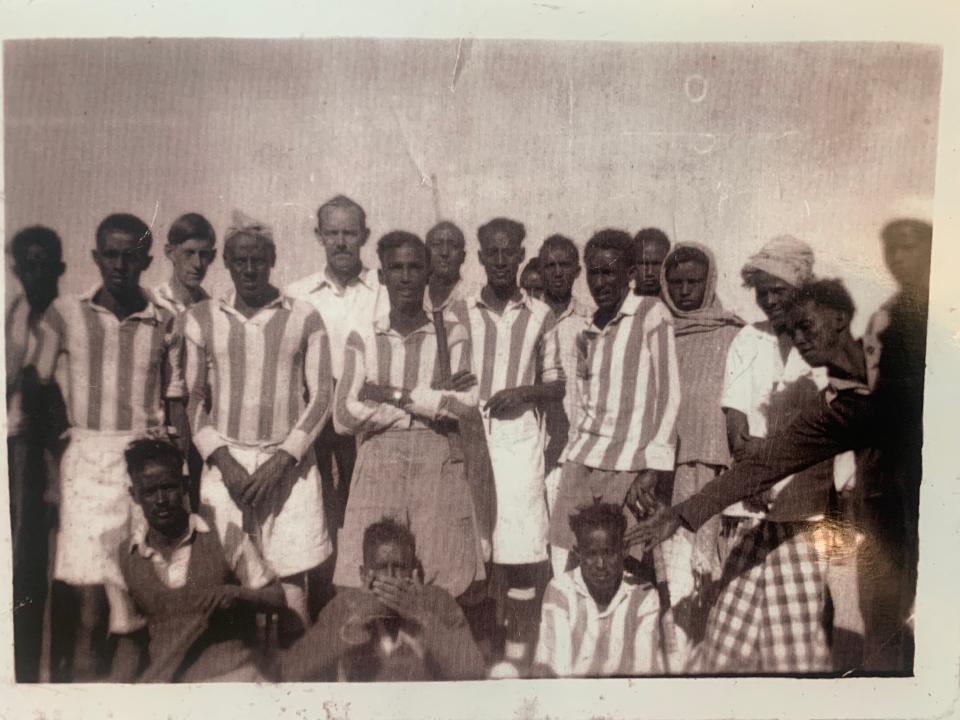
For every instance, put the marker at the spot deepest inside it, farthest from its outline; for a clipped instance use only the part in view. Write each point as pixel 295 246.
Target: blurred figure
pixel 531 279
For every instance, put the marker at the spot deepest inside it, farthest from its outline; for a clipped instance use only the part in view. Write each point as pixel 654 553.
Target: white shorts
pixel 291 541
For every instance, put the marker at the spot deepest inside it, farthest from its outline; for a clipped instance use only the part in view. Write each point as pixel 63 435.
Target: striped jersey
pixel 29 343
pixel 117 372
pixel 629 390
pixel 164 297
pixel 517 348
pixel 266 379
pixel 561 418
pixel 577 639
pixel 380 355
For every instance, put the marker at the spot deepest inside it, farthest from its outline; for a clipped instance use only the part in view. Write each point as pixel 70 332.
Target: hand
pixel 222 597
pixel 404 596
pixel 458 382
pixel 651 532
pixel 235 476
pixel 267 476
pixel 640 495
pixel 506 400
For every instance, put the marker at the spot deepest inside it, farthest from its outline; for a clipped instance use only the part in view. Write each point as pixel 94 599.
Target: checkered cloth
pixel 769 613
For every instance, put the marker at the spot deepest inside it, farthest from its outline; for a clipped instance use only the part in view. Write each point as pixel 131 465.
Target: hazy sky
pixel 727 145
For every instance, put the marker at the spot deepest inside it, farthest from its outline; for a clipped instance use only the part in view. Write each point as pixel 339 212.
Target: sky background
pixel 724 144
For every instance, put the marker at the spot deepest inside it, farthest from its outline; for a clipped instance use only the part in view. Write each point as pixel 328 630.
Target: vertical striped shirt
pixel 380 355
pixel 629 390
pixel 343 308
pixel 519 347
pixel 117 372
pixel 29 343
pixel 164 296
pixel 267 378
pixel 562 418
pixel 577 639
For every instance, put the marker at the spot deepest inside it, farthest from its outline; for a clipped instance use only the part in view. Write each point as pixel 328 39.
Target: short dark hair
pixel 612 239
pixel 557 241
pixel 447 225
pixel 387 530
pixel 598 515
pixel 36 235
pixel 920 227
pixel 128 225
pixel 686 254
pixel 342 201
pixel 831 293
pixel 397 239
pixel 191 226
pixel 533 265
pixel 652 235
pixel 145 451
pixel 511 228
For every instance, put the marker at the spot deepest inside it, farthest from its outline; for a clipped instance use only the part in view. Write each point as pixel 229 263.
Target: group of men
pixel 374 474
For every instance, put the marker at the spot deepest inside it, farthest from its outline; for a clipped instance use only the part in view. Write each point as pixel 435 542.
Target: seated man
pixel 198 605
pixel 392 628
pixel 598 621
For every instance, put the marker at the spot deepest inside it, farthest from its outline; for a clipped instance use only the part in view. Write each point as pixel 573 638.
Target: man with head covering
pixel 259 376
pixel 703 331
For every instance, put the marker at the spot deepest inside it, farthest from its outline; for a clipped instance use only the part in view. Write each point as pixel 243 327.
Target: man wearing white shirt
pixel 346 294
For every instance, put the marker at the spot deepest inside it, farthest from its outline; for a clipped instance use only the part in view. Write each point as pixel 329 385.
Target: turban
pixel 243 224
pixel 784 257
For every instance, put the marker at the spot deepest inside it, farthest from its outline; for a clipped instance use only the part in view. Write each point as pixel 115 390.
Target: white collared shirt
pixel 164 296
pixel 343 308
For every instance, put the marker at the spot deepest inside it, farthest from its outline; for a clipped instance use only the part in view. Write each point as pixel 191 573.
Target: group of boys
pixel 204 479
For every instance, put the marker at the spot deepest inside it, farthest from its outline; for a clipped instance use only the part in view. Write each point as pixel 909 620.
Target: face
pixel 906 251
pixel 501 256
pixel 601 563
pixel 191 259
pixel 446 254
pixel 560 269
pixel 775 296
pixel 160 492
pixel 249 261
pixel 405 274
pixel 687 284
pixel 121 258
pixel 651 255
pixel 532 282
pixel 608 278
pixel 391 560
pixel 816 331
pixel 342 235
pixel 38 272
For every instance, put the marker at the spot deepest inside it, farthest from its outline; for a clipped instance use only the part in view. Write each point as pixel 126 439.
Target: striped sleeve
pixel 549 364
pixel 554 653
pixel 648 646
pixel 350 414
pixel 431 403
pixel 319 383
pixel 660 453
pixel 197 375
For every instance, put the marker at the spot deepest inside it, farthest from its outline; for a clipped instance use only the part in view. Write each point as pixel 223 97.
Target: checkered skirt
pixel 768 617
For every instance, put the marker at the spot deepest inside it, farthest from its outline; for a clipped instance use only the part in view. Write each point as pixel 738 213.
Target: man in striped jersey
pixel 629 392
pixel 262 361
pixel 447 253
pixel 31 428
pixel 191 249
pixel 517 363
pixel 119 357
pixel 597 620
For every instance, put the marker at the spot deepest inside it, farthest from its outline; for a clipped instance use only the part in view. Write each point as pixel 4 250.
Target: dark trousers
pixel 30 525
pixel 336 456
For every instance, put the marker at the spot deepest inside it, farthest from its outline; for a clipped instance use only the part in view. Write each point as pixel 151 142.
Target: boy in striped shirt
pixel 120 357
pixel 260 361
pixel 629 392
pixel 32 426
pixel 517 363
pixel 191 249
pixel 597 620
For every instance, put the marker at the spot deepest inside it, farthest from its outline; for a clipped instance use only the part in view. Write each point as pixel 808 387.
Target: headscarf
pixel 784 257
pixel 243 224
pixel 703 337
pixel 711 314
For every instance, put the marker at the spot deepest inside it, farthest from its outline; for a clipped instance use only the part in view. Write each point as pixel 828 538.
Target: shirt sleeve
pixel 125 616
pixel 549 364
pixel 350 414
pixel 430 403
pixel 650 650
pixel 318 380
pixel 52 330
pixel 197 373
pixel 737 386
pixel 554 653
pixel 660 452
pixel 249 565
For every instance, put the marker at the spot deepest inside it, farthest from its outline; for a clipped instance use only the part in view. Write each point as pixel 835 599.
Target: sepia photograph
pixel 400 360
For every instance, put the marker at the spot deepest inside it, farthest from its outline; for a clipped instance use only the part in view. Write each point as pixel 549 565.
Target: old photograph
pixel 345 360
